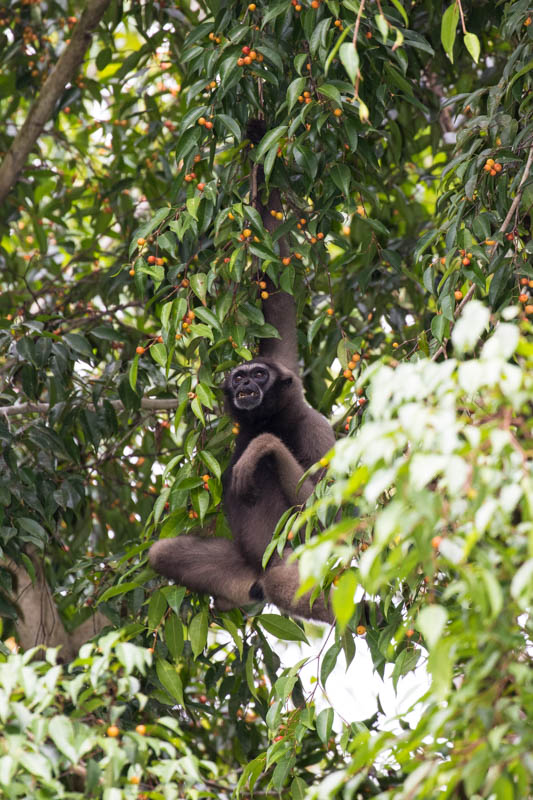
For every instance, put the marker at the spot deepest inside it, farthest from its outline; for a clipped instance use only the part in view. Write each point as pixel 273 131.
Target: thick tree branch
pixel 44 105
pixel 150 403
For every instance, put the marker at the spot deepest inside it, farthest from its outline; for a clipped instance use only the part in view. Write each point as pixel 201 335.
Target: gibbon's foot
pixel 280 584
pixel 208 566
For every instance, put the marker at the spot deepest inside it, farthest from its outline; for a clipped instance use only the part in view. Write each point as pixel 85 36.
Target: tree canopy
pixel 400 138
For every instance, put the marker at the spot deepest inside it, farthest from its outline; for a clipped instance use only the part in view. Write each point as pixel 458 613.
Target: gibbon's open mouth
pixel 241 395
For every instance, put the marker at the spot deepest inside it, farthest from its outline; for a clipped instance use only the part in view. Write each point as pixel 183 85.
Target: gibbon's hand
pixel 242 474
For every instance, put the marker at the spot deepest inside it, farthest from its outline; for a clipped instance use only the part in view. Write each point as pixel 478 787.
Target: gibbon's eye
pixel 237 378
pixel 259 373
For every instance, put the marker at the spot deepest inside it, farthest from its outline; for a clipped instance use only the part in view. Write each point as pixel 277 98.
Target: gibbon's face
pixel 247 384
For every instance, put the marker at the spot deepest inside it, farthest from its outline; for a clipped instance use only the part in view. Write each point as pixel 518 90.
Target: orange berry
pixel 320 235
pixel 524 281
pixel 409 633
pixel 338 112
pixel 346 230
pixel 246 233
pixel 348 374
pixel 141 729
pixel 141 241
pixel 208 125
pixel 132 272
pixel 498 167
pixel 487 167
pixel 368 34
pixel 360 630
pixel 435 542
pixel 240 62
pixel 201 187
pixel 285 261
pixel 315 4
pixel 135 780
pixel 528 309
pixel 252 7
pixel 329 311
pixel 202 121
pixel 466 261
pixel 490 162
pixel 523 298
pixel 139 350
pixel 113 731
pixel 493 172
pixel 264 295
pixel 262 285
pixel 247 60
pixel 458 294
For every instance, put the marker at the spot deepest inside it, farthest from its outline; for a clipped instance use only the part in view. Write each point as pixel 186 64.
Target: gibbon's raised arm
pixel 279 308
pixel 288 469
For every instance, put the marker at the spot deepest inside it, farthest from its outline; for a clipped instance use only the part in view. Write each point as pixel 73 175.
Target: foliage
pixel 401 142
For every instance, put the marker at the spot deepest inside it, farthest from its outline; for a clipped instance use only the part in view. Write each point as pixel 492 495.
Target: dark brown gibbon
pixel 279 438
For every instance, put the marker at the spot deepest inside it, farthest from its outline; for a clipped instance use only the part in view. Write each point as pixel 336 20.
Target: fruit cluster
pixel 492 167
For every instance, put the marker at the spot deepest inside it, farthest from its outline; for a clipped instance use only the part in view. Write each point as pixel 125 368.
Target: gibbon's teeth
pixel 247 394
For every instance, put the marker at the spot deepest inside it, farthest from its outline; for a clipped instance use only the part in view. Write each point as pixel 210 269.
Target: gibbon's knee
pixel 207 566
pixel 280 584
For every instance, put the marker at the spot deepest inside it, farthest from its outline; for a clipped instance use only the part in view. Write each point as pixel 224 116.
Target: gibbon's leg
pixel 280 583
pixel 288 469
pixel 207 566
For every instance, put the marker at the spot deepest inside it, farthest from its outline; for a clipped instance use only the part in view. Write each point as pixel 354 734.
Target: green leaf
pixel 158 352
pixel 294 90
pixel 270 139
pixel 232 125
pixel 472 45
pixel 324 724
pixel 170 679
pixel 61 731
pixel 330 91
pixel 156 608
pixel 350 60
pixel 199 286
pixel 282 627
pixel 198 632
pixel 430 622
pixel 398 5
pixel 174 635
pixel 448 30
pixel 343 600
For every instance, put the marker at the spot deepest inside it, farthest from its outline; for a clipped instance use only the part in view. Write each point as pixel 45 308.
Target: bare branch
pixel 44 105
pixel 150 403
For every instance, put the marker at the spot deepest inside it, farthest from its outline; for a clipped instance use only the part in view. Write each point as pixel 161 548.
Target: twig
pixel 150 403
pixel 43 107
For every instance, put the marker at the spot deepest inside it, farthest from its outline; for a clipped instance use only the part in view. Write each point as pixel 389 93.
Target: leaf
pixel 350 60
pixel 170 679
pixel 324 724
pixel 472 45
pixel 158 352
pixel 198 632
pixel 199 286
pixel 174 635
pixel 450 18
pixel 282 627
pixel 232 125
pixel 61 731
pixel 269 140
pixel 295 89
pixel 344 598
pixel 431 622
pixel 398 5
pixel 330 92
pixel 156 608
pixel 329 662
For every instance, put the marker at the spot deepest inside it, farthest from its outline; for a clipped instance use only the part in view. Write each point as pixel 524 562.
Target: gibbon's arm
pixel 207 566
pixel 288 469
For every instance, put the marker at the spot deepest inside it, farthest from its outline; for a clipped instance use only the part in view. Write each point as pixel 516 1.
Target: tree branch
pixel 150 403
pixel 503 227
pixel 44 105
